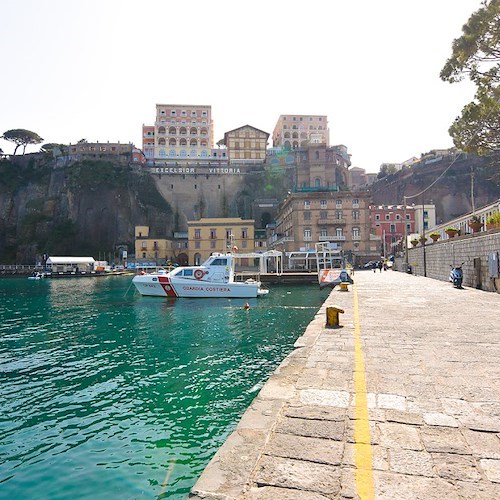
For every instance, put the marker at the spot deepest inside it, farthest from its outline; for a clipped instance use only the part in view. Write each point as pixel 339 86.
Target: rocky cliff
pixel 451 192
pixel 88 208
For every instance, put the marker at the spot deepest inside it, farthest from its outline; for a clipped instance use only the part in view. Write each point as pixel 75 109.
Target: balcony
pixel 331 220
pixel 332 238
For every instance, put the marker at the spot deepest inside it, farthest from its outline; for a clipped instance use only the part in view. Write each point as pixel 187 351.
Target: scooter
pixel 457 275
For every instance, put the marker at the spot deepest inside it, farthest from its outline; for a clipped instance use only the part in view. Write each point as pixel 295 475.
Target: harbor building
pixel 340 218
pixel 294 131
pixel 208 235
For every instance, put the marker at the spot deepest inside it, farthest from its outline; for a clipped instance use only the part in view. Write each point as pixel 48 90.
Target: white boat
pixel 37 276
pixel 214 278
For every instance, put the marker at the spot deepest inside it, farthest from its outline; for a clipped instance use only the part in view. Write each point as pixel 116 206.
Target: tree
pixel 476 55
pixel 21 137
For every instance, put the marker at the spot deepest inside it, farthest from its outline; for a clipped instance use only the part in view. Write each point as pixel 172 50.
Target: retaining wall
pixel 471 249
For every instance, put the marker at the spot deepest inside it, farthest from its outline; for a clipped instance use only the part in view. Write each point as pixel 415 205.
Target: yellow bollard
pixel 344 286
pixel 332 316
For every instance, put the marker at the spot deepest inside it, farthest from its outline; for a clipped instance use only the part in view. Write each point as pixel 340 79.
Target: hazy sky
pixel 74 69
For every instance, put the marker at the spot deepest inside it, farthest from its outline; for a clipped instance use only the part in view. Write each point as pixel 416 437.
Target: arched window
pixel 295 145
pixel 203 144
pixel 171 152
pixel 203 153
pixel 287 145
pixel 287 135
pixel 203 131
pixel 183 152
pixel 295 135
pixel 192 153
pixel 193 131
pixel 161 142
pixel 182 131
pixel 193 142
pixel 172 130
pixel 317 182
pixel 161 130
pixel 197 259
pixel 183 142
pixel 161 152
pixel 172 142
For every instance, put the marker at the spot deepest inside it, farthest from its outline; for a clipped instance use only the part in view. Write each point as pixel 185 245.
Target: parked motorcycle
pixel 457 275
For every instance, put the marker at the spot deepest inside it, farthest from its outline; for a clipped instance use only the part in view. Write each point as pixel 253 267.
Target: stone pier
pixel 402 401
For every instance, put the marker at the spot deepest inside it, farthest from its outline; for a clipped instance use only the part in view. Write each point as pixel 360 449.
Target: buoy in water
pixel 246 306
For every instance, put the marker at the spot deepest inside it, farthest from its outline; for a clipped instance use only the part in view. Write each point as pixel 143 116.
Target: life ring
pixel 198 274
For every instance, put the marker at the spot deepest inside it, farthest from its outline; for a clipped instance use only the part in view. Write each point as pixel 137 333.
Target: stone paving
pixel 432 371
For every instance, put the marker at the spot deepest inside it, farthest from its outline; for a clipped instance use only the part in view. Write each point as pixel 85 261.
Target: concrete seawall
pixel 401 402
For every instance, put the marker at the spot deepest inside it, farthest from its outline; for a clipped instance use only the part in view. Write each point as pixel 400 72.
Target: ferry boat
pixel 214 278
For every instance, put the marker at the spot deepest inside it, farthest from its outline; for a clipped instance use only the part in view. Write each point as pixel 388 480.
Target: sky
pixel 95 70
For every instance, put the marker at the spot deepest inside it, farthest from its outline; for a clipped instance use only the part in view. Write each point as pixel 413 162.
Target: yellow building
pixel 146 248
pixel 209 235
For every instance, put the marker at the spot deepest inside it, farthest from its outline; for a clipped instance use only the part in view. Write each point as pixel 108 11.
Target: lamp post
pixel 423 234
pixel 405 235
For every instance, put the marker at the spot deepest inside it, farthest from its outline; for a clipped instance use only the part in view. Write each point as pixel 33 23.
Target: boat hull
pixel 163 286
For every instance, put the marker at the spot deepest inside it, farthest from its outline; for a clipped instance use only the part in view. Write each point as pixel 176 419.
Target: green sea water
pixel 107 394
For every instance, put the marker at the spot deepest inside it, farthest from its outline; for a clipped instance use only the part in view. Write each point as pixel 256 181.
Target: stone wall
pixel 472 249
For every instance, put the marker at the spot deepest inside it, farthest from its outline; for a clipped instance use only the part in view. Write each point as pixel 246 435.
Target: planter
pixel 414 242
pixel 434 237
pixel 475 226
pixel 451 233
pixel 422 240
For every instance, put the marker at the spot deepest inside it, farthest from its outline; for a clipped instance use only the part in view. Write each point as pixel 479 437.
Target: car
pixel 370 264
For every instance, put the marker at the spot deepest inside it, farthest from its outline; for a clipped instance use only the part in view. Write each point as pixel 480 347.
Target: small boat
pixel 37 276
pixel 330 270
pixel 214 278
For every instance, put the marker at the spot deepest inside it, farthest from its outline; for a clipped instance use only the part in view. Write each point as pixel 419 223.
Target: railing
pixel 332 238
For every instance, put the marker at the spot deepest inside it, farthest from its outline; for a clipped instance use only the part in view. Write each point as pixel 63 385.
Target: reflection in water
pixel 105 394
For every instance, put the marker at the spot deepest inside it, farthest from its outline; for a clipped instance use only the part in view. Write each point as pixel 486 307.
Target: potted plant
pixel 422 238
pixel 475 223
pixel 493 221
pixel 451 231
pixel 434 237
pixel 414 242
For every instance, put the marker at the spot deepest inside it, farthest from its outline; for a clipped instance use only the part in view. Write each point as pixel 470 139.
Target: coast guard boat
pixel 214 278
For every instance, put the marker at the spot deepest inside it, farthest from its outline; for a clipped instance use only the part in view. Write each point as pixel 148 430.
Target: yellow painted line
pixel 362 450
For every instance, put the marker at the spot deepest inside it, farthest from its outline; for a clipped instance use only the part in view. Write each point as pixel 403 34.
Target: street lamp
pixel 405 234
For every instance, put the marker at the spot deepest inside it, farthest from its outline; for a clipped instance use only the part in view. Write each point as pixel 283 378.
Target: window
pixel 197 234
pixel 244 233
pixel 307 235
pixel 244 244
pixel 323 214
pixel 338 231
pixel 355 232
pixel 307 215
pixel 355 214
pixel 407 216
pixel 387 217
pixel 338 214
pixel 307 204
pixel 338 203
pixel 212 244
pixel 323 232
pixel 355 201
pixel 392 228
pixel 197 244
pixel 426 214
pixel 229 234
pixel 172 113
pixel 322 203
pixel 213 234
pixel 398 217
pixel 377 216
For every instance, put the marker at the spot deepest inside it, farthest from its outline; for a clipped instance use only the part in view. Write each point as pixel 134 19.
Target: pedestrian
pixel 380 265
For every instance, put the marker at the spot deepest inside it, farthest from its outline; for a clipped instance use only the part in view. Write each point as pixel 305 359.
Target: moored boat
pixel 214 278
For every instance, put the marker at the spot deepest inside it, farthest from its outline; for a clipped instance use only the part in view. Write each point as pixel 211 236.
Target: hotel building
pixel 180 131
pixel 296 131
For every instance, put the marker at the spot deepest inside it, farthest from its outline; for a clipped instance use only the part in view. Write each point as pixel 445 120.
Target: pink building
pixel 295 131
pixel 388 222
pixel 181 131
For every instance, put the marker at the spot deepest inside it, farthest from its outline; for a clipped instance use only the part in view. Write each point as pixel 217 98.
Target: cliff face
pixel 88 208
pixel 451 194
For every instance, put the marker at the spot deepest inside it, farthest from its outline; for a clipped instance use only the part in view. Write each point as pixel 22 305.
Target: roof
pixel 70 260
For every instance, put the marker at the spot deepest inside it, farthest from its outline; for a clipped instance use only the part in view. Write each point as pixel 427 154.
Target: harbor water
pixel 107 394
